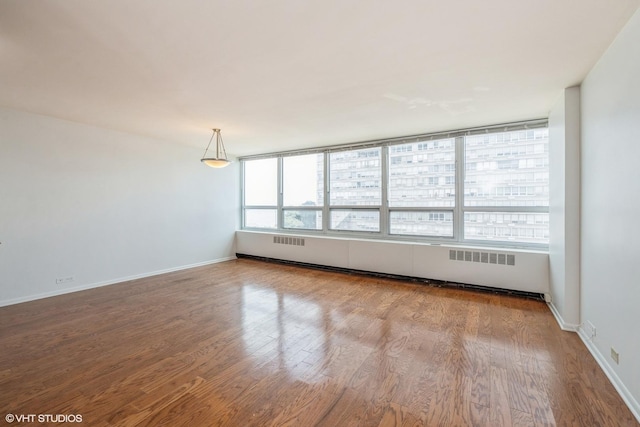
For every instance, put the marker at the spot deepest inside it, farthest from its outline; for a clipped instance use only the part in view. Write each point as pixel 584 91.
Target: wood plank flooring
pixel 248 343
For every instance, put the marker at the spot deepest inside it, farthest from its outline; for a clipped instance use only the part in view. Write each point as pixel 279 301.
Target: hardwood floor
pixel 247 343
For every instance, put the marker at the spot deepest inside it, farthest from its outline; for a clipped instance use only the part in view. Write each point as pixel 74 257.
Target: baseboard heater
pixel 420 280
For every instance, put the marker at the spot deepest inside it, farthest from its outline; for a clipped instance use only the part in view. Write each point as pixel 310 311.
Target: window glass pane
pixel 414 223
pixel 303 219
pixel 355 220
pixel 507 227
pixel 261 182
pixel 261 218
pixel 507 169
pixel 303 180
pixel 355 177
pixel 422 174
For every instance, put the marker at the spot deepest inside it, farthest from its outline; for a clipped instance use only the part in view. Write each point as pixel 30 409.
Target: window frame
pixel 458 210
pixel 245 206
pixel 313 208
pixel 426 209
pixel 502 209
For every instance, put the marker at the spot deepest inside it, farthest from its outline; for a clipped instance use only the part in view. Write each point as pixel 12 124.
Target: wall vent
pixel 482 257
pixel 288 240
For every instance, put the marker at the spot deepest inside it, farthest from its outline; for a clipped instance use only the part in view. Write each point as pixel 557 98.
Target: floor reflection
pixel 311 341
pixel 284 330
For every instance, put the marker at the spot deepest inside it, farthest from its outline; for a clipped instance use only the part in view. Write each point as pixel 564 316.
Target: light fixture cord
pixel 209 144
pixel 218 144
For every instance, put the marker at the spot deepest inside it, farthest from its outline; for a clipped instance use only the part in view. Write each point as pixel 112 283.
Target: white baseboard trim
pixel 622 390
pixel 57 292
pixel 563 325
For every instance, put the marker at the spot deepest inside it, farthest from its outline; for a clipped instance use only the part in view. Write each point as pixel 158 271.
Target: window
pixel 261 193
pixel 303 191
pixel 260 218
pixel 430 184
pixel 489 186
pixel 421 223
pixel 506 198
pixel 355 178
pixel 355 220
pixel 355 190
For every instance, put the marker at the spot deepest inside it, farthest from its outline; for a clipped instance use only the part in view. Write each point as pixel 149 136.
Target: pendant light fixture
pixel 220 160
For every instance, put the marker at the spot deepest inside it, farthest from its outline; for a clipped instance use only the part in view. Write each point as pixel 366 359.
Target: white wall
pixel 564 208
pixel 103 206
pixel 530 274
pixel 610 232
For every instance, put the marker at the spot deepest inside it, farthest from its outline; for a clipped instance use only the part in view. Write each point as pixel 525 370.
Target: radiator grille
pixel 288 240
pixel 482 257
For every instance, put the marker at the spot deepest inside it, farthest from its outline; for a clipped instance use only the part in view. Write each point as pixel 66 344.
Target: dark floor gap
pixel 412 279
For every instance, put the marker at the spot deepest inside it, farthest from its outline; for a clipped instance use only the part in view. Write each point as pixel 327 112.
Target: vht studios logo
pixel 43 418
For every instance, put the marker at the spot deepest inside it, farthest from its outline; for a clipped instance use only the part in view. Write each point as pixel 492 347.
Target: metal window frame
pixel 460 154
pixel 356 208
pixel 304 208
pixel 449 239
pixel 459 210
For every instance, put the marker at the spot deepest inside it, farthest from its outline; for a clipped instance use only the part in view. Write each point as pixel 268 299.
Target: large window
pixel 422 188
pixel 485 186
pixel 506 186
pixel 261 193
pixel 355 189
pixel 303 191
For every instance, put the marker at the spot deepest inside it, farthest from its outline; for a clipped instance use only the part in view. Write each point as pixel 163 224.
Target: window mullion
pixel 325 207
pixel 242 192
pixel 458 214
pixel 280 195
pixel 384 201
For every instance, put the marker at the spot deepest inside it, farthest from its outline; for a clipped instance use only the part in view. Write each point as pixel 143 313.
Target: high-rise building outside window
pixel 422 188
pixel 506 186
pixel 485 186
pixel 355 182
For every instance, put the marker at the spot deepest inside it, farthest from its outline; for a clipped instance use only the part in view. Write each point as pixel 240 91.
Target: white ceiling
pixel 285 74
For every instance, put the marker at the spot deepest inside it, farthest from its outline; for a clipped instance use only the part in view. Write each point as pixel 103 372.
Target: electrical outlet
pixel 63 280
pixel 615 356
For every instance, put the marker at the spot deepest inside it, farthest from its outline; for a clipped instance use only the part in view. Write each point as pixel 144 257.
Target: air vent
pixel 483 257
pixel 287 240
